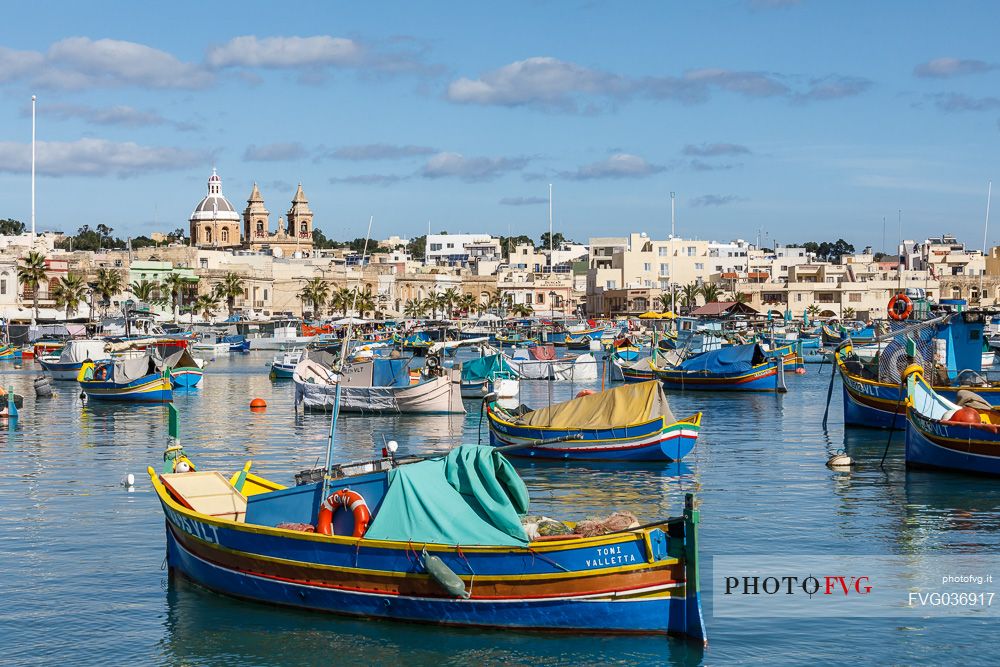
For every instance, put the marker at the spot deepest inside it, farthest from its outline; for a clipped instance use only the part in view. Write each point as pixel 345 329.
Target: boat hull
pixel 282 372
pixel 62 371
pixel 651 441
pixel 764 377
pixel 637 582
pixel 185 377
pixel 154 388
pixel 935 444
pixel 440 395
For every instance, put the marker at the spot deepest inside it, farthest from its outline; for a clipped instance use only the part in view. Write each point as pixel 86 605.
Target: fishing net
pixel 892 357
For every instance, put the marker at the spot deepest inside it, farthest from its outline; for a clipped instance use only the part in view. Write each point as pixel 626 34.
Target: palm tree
pixel 175 284
pixel 205 304
pixel 450 299
pixel 31 274
pixel 848 314
pixel 813 310
pixel 494 302
pixel 366 302
pixel 414 308
pixel 689 295
pixel 665 301
pixel 69 292
pixel 143 290
pixel 315 292
pixel 230 289
pixel 432 303
pixel 521 310
pixel 741 297
pixel 710 292
pixel 342 299
pixel 109 284
pixel 468 303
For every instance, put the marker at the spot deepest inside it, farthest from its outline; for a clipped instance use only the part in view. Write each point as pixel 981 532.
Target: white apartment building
pixel 461 249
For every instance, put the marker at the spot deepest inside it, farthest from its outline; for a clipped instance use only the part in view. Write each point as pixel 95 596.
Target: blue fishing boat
pixel 183 369
pixel 237 343
pixel 872 388
pixel 629 423
pixel 438 541
pixel 72 356
pixel 283 365
pixel 138 380
pixel 734 368
pixel 9 353
pixel 944 434
pixel 640 370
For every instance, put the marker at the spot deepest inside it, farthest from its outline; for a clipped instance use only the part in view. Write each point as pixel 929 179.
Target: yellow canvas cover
pixel 622 406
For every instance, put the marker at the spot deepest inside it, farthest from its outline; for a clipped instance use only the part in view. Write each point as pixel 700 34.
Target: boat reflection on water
pixel 361 435
pixel 952 511
pixel 203 628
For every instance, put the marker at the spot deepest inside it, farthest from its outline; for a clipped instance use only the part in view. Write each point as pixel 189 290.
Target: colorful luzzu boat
pixel 948 435
pixel 139 380
pixel 875 400
pixel 184 370
pixel 790 355
pixel 9 352
pixel 629 423
pixel 72 357
pixel 732 368
pixel 439 541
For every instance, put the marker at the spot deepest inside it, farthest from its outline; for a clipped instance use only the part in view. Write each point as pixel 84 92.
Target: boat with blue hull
pixel 629 423
pixel 874 395
pixel 184 369
pixel 437 541
pixel 138 380
pixel 940 433
pixel 72 356
pixel 733 368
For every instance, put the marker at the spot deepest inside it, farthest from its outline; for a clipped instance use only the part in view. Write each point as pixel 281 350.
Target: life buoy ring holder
pixel 897 313
pixel 348 500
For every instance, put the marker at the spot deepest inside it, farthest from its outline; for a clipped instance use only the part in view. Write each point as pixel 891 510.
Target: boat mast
pixel 344 347
pixel 33 98
pixel 673 298
pixel 986 227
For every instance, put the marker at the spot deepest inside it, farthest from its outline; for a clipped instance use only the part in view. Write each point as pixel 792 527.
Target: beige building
pixel 214 222
pixel 293 238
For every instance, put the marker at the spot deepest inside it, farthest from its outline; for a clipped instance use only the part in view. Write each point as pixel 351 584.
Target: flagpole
pixel 33 99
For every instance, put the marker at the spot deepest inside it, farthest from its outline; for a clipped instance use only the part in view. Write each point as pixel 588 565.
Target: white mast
pixel 550 225
pixel 986 227
pixel 673 297
pixel 33 170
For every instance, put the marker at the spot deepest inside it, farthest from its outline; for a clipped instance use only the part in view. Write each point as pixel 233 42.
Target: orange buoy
pixel 584 392
pixel 800 371
pixel 258 404
pixel 965 415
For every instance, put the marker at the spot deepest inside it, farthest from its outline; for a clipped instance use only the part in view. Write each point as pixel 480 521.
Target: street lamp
pixel 552 308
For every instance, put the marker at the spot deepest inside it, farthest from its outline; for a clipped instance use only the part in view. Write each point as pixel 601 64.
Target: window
pixel 692 251
pixel 435 247
pixel 718 267
pixel 225 235
pixel 854 297
pixel 798 297
pixel 208 234
pixel 664 284
pixel 451 245
pixel 698 266
pixel 527 298
pixel 541 297
pixel 260 225
pixel 664 251
pixel 265 294
pixel 3 285
pixel 649 283
pixel 664 269
pixel 609 285
pixel 647 266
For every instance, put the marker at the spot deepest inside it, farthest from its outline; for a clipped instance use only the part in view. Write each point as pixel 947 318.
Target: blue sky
pixel 800 120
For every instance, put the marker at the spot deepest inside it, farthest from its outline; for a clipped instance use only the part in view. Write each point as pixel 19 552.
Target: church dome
pixel 214 207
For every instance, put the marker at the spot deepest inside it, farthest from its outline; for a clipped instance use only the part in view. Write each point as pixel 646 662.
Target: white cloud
pixel 377 152
pixel 523 201
pixel 290 150
pixel 716 200
pixel 119 115
pixel 80 62
pixel 619 165
pixel 715 150
pixel 370 179
pixel 471 169
pixel 15 64
pixel 284 52
pixel 943 68
pixel 96 157
pixel 539 81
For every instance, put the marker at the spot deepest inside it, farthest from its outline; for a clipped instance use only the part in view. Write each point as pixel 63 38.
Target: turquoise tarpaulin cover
pixel 485 368
pixel 471 496
pixel 390 373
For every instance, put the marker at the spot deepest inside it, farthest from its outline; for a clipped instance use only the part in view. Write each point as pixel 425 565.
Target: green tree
pixel 414 308
pixel 315 292
pixel 145 290
pixel 741 297
pixel 366 301
pixel 11 227
pixel 521 310
pixel 342 299
pixel 230 289
pixel 813 310
pixel 109 284
pixel 417 247
pixel 557 240
pixel 31 274
pixel 449 300
pixel 175 284
pixel 69 292
pixel 710 292
pixel 205 304
pixel 468 303
pixel 689 295
pixel 848 313
pixel 665 299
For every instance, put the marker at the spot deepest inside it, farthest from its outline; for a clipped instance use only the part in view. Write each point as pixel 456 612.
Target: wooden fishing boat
pixel 733 368
pixel 184 370
pixel 378 385
pixel 832 336
pixel 940 433
pixel 9 352
pixel 71 358
pixel 139 380
pixel 625 349
pixel 437 541
pixel 582 343
pixel 10 405
pixel 640 370
pixel 629 423
pixel 790 355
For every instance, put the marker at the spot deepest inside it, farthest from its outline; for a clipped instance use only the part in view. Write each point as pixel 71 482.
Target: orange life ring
pixel 897 313
pixel 349 500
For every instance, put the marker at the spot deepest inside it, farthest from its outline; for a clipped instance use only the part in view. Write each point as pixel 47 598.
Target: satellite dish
pixel 276 252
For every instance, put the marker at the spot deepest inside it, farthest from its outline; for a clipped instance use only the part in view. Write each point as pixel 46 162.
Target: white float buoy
pixel 128 480
pixel 392 446
pixel 840 460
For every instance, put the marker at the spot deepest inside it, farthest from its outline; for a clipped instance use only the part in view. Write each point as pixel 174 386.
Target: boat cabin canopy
pixel 615 408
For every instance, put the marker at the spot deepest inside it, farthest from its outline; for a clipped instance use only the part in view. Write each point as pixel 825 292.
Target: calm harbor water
pixel 81 578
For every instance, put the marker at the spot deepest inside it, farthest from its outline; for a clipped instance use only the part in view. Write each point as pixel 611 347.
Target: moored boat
pixel 439 541
pixel 139 380
pixel 628 423
pixel 67 365
pixel 733 368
